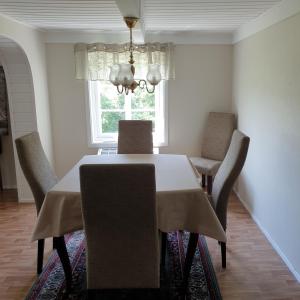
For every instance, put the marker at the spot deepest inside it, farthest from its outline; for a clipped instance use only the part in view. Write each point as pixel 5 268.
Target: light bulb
pixel 113 76
pixel 125 76
pixel 153 75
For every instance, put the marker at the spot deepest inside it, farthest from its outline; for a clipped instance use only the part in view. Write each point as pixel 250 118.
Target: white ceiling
pixel 158 15
pixel 65 14
pixel 216 15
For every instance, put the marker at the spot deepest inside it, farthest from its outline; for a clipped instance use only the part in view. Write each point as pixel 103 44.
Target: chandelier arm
pixel 142 83
pixel 148 90
pixel 120 92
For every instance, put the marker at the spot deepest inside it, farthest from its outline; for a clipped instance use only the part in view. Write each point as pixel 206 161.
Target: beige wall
pixel 203 84
pixel 68 108
pixel 266 95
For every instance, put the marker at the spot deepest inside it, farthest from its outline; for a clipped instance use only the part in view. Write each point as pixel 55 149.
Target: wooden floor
pixel 254 270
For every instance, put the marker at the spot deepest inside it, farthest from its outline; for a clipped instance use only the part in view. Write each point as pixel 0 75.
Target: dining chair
pixel 120 223
pixel 218 131
pixel 225 179
pixel 39 175
pixel 135 137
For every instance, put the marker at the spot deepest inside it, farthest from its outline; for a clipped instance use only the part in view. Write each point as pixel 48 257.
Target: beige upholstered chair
pixel 226 177
pixel 135 137
pixel 217 135
pixel 39 175
pixel 120 222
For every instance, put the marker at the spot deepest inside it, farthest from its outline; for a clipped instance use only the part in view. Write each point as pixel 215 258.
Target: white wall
pixel 32 43
pixel 266 95
pixel 203 83
pixel 27 60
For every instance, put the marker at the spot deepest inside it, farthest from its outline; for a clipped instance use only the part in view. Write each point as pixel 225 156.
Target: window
pixel 107 107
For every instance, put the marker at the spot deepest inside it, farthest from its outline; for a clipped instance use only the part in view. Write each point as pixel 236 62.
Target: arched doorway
pixel 22 111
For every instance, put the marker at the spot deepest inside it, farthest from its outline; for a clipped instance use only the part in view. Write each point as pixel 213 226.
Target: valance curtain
pixel 93 61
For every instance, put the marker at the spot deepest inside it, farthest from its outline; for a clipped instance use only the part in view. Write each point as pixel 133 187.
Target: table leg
pixel 193 240
pixel 60 246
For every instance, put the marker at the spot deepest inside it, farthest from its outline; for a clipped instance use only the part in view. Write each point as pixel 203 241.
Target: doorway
pixel 21 115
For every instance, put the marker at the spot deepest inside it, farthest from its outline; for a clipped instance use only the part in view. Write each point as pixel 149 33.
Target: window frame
pixel 91 116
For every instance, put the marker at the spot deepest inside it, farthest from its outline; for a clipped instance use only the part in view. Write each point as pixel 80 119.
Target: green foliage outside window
pixel 110 121
pixel 142 100
pixel 112 103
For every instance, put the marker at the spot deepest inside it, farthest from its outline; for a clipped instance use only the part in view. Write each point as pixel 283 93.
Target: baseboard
pixel 269 238
pixel 9 187
pixel 26 200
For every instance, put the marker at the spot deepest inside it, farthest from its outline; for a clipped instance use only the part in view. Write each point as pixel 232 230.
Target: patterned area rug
pixel 202 284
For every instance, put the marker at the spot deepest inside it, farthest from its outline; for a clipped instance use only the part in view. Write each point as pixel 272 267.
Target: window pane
pixel 144 115
pixel 110 121
pixel 110 99
pixel 142 100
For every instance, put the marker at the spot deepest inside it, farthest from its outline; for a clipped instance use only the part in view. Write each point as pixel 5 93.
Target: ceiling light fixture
pixel 122 75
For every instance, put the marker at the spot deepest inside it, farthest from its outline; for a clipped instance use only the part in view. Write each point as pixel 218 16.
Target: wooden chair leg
pixel 209 184
pixel 40 256
pixel 60 246
pixel 163 248
pixel 223 254
pixel 192 245
pixel 203 180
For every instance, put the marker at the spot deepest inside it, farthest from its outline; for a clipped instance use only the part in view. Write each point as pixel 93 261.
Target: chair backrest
pixel 135 137
pixel 228 173
pixel 120 222
pixel 35 166
pixel 217 135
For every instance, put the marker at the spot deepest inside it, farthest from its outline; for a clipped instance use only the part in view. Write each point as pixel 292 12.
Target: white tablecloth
pixel 181 202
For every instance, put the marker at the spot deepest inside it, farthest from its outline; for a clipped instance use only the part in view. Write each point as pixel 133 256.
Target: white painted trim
pixel 270 239
pixel 72 37
pixel 276 14
pixel 26 200
pixel 180 38
pixel 191 37
pixel 9 186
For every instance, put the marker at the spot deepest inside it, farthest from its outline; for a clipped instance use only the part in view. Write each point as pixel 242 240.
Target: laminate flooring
pixel 254 270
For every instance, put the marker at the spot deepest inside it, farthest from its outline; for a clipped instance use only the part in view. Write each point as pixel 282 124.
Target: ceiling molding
pixel 276 14
pixel 72 37
pixel 181 37
pixel 19 22
pixel 190 37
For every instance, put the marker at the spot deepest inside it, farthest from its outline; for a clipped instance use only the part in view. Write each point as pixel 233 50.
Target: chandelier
pixel 122 75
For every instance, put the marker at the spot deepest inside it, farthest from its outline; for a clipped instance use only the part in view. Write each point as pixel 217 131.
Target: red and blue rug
pixel 203 283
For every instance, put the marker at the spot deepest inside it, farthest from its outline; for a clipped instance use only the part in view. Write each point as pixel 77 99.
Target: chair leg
pixel 203 180
pixel 40 256
pixel 223 254
pixel 163 248
pixel 192 245
pixel 209 184
pixel 60 246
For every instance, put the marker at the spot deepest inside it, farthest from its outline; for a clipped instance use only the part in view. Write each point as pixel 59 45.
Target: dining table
pixel 181 202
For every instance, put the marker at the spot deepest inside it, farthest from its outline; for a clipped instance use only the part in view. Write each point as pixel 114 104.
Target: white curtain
pixel 92 61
